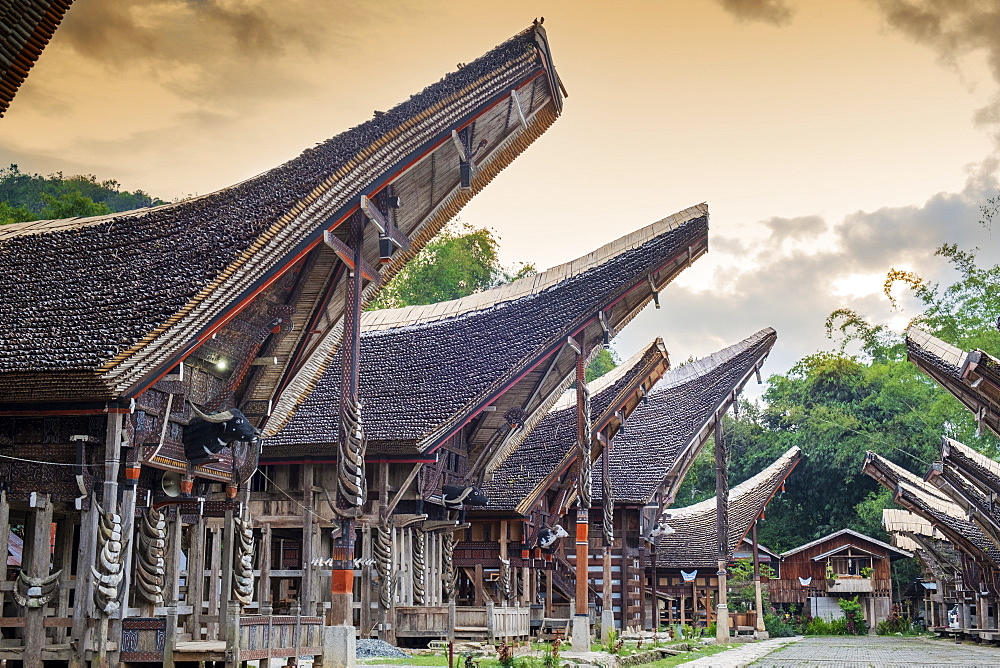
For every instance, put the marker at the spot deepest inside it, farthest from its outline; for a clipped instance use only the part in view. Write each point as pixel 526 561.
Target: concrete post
pixel 760 631
pixel 339 647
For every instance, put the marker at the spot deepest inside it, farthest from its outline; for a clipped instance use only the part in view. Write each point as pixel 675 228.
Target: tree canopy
pixel 458 262
pixel 26 197
pixel 835 406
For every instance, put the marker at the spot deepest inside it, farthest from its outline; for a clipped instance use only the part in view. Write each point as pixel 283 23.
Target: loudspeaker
pixel 170 483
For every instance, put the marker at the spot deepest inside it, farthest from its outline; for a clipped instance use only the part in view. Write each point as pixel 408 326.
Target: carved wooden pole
pixel 607 590
pixel 581 620
pixel 722 525
pixel 350 483
pixel 351 489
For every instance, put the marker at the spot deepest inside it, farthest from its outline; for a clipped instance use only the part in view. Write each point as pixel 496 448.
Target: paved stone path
pixel 880 651
pixel 743 655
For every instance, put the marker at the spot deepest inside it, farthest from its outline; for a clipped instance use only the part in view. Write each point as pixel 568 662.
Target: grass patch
pixel 706 650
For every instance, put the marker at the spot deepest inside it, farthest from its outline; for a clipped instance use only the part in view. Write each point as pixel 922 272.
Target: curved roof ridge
pixel 903 475
pixel 598 385
pixel 978 458
pixel 939 504
pixel 529 285
pixel 694 541
pixel 685 372
pixel 741 490
pixel 927 342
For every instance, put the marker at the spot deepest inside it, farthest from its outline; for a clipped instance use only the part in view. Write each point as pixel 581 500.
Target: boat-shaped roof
pixel 694 542
pixel 427 371
pixel 550 448
pixel 28 25
pixel 100 307
pixel 663 436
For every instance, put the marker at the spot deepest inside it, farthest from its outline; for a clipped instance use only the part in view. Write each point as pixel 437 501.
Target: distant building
pixel 843 564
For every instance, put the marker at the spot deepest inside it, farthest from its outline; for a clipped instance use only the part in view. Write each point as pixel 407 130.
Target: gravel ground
pixel 367 649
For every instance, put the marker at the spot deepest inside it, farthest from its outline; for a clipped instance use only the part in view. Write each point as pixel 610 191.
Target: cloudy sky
pixel 832 139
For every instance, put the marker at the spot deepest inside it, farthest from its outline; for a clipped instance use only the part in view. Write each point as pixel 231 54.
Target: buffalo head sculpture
pixel 453 495
pixel 210 433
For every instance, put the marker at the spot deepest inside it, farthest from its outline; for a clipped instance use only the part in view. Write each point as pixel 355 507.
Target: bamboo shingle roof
pixel 933 504
pixel 662 437
pixel 550 448
pixel 694 543
pixel 915 534
pixel 99 307
pixel 427 371
pixel 979 469
pixel 27 26
pixel 973 376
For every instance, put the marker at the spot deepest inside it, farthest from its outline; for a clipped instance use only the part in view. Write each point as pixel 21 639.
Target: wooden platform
pixel 200 650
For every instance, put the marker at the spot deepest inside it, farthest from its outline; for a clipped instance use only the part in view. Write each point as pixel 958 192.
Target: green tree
pixel 835 407
pixel 605 361
pixel 19 190
pixel 458 262
pixel 14 214
pixel 71 204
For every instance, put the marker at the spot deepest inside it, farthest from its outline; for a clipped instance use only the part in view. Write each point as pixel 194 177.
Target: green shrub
pixel 854 617
pixel 817 626
pixel 777 626
pixel 550 658
pixel 838 627
pixel 894 623
pixel 712 630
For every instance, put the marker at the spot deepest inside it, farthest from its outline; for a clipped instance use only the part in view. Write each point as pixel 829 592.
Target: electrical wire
pixel 294 500
pixel 36 461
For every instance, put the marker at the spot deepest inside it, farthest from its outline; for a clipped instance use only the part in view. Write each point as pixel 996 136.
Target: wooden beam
pixel 459 146
pixel 402 488
pixel 346 255
pixel 384 225
pixel 517 108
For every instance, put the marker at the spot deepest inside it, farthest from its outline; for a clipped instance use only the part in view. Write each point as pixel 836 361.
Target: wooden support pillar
pixel 548 592
pixel 196 576
pixel 83 601
pixel 170 638
pixel 722 526
pixel 683 611
pixel 503 555
pixel 351 487
pixel 35 562
pixel 63 561
pixel 656 595
pixel 308 595
pixel 128 503
pixel 4 542
pixel 112 464
pixel 172 576
pixel 228 543
pixel 581 619
pixel 264 582
pixel 231 633
pixel 367 619
pixel 214 609
pixel 480 588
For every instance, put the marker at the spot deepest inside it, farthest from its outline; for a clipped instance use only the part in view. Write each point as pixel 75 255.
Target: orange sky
pixel 828 143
